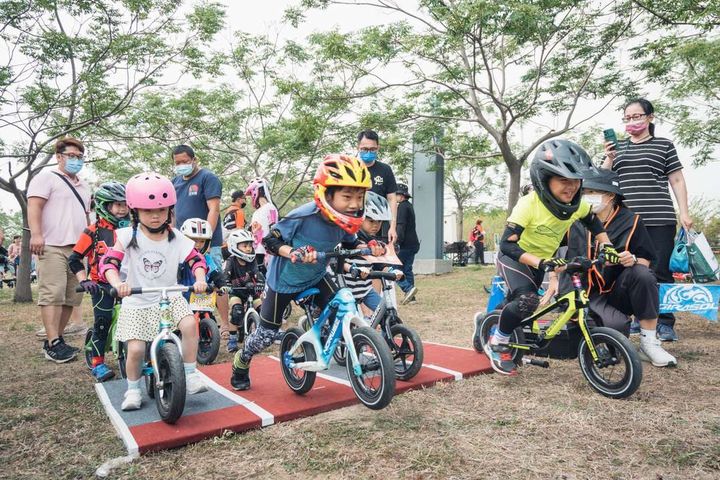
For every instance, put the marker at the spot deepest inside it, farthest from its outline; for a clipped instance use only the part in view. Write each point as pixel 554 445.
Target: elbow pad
pixel 593 223
pixel 273 241
pixel 75 263
pixel 110 261
pixel 195 260
pixel 510 247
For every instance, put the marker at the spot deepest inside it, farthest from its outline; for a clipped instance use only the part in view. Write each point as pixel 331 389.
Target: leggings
pixel 522 282
pixel 271 318
pixel 103 304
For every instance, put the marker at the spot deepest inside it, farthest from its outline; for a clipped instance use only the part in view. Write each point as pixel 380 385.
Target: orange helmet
pixel 340 171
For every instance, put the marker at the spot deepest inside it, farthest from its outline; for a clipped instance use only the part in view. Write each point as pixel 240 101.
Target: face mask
pixel 596 202
pixel 635 128
pixel 183 170
pixel 73 165
pixel 368 157
pixel 124 222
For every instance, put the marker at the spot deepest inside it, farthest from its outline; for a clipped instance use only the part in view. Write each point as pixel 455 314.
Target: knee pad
pixel 237 315
pixel 527 303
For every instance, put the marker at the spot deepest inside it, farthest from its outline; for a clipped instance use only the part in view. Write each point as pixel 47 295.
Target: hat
pixel 402 189
pixel 236 194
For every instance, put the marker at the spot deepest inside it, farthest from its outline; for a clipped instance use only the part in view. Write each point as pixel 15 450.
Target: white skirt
pixel 144 323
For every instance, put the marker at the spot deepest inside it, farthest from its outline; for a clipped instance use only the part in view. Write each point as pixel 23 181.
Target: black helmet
pixel 603 181
pixel 559 158
pixel 106 194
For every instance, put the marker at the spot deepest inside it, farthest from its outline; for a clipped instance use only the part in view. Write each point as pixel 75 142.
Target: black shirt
pixel 3 255
pixel 238 275
pixel 383 179
pixel 406 234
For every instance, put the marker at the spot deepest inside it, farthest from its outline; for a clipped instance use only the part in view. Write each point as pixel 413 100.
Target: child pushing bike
pixel 94 242
pixel 335 216
pixel 152 250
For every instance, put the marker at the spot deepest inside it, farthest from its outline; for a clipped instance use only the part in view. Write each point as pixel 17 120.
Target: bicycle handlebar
pixel 386 275
pixel 140 290
pixel 341 253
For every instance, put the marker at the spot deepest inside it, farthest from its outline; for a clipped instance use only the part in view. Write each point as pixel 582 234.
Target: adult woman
pixel 646 165
pixel 477 240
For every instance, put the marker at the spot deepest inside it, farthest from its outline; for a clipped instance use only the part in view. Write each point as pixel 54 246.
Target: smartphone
pixel 609 134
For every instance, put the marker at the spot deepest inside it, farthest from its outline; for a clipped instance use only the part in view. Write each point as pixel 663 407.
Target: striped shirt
pixel 643 169
pixel 359 287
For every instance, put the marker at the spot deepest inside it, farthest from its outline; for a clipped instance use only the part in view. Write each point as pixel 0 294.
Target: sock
pixel 238 363
pixel 190 367
pixel 233 336
pixel 647 336
pixel 499 338
pixel 97 361
pixel 133 384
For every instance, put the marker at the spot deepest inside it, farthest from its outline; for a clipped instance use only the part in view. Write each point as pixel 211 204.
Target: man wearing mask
pixel 381 176
pixel 58 203
pixel 235 215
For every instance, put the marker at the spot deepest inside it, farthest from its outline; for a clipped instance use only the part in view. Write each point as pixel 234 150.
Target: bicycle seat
pixel 302 296
pixel 579 265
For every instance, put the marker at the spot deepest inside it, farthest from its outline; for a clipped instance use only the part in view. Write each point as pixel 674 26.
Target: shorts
pixel 371 300
pixel 144 323
pixel 56 282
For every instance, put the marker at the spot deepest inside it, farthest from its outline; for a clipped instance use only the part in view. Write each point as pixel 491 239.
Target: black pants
pixel 275 303
pixel 103 305
pixel 479 252
pixel 663 238
pixel 522 283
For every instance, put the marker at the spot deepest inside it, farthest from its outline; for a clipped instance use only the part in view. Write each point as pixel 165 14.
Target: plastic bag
pixel 703 264
pixel 679 260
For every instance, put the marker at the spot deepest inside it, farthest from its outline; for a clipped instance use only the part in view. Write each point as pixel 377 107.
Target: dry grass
pixel 542 424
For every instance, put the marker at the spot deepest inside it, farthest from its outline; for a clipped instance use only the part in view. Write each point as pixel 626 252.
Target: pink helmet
pixel 150 190
pixel 253 190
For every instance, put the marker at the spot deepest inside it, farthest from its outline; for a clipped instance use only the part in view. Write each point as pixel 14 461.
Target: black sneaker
pixel 240 379
pixel 58 352
pixel 74 349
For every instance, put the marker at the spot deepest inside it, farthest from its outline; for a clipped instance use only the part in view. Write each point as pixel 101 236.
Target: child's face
pixel 245 247
pixel 371 227
pixel 17 241
pixel 119 209
pixel 348 200
pixel 199 245
pixel 153 218
pixel 563 189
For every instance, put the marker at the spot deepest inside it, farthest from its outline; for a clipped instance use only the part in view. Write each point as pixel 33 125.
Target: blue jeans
pixel 407 257
pixel 372 299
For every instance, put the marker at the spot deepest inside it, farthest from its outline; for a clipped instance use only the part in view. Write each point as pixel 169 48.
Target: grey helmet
pixel 377 207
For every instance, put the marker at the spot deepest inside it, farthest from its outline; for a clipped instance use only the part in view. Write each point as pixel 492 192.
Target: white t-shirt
pixel 262 219
pixel 152 264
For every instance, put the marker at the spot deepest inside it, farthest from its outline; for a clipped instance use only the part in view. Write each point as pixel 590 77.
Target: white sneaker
pixel 133 399
pixel 652 351
pixel 194 383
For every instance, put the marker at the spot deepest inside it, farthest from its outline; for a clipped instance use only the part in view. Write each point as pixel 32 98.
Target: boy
pixel 240 268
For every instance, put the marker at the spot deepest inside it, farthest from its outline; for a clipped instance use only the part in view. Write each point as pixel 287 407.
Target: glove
pixel 354 271
pixel 377 243
pixel 297 254
pixel 608 251
pixel 551 264
pixel 90 287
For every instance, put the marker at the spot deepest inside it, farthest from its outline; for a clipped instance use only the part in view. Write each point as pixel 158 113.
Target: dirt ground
pixel 545 423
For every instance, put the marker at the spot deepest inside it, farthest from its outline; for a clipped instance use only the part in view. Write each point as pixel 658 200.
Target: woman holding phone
pixel 649 167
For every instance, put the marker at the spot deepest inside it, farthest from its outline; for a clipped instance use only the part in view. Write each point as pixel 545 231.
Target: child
pixel 264 216
pixel 534 231
pixel 335 217
pixel 240 268
pixel 199 231
pixel 111 212
pixel 152 250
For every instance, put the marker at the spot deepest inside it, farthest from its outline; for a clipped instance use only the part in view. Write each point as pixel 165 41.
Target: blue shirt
pixel 304 226
pixel 187 278
pixel 192 197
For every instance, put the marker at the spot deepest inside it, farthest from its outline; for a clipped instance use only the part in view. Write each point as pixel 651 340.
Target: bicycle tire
pixel 617 350
pixel 374 356
pixel 483 325
pixel 208 340
pixel 122 359
pixel 87 349
pixel 299 381
pixel 170 400
pixel 253 322
pixel 340 353
pixel 409 347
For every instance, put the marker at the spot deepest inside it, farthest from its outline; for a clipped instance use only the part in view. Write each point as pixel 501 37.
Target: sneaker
pixel 476 340
pixel 102 372
pixel 634 327
pixel 41 333
pixel 133 400
pixel 651 351
pixel 74 349
pixel 240 379
pixel 409 296
pixel 279 336
pixel 58 352
pixel 232 343
pixel 500 358
pixel 76 329
pixel 194 383
pixel 666 333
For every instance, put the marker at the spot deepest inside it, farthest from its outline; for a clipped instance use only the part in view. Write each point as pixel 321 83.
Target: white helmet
pixel 197 229
pixel 234 240
pixel 377 207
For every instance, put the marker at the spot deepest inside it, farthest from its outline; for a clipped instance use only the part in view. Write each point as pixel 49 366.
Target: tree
pixel 501 64
pixel 73 66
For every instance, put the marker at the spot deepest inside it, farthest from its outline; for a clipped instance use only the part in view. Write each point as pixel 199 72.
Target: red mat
pixel 269 400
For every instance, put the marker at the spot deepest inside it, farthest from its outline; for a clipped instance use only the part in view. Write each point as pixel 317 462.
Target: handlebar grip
pixel 386 275
pixel 79 289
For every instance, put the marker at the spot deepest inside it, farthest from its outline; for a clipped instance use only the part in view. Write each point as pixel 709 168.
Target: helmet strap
pixel 162 227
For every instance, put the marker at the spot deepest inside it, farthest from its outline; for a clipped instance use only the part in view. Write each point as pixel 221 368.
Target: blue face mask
pixel 73 165
pixel 183 170
pixel 124 222
pixel 368 157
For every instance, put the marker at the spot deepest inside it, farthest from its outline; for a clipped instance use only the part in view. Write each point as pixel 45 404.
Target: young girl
pixel 264 216
pixel 240 268
pixel 112 212
pixel 534 231
pixel 152 250
pixel 335 217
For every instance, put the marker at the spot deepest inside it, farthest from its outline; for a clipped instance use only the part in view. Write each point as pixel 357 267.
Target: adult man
pixel 407 242
pixel 381 176
pixel 235 215
pixel 58 203
pixel 198 196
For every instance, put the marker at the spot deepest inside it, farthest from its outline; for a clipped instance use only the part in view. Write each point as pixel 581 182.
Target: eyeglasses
pixel 366 150
pixel 633 118
pixel 73 155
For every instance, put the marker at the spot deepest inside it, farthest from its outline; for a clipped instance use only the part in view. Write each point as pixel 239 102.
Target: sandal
pixel 224 333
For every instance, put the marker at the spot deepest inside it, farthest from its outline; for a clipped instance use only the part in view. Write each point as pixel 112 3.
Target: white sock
pixel 190 367
pixel 499 338
pixel 647 336
pixel 133 384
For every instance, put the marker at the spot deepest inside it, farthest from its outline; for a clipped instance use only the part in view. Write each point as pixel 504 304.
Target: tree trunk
pixel 514 168
pixel 23 292
pixel 459 222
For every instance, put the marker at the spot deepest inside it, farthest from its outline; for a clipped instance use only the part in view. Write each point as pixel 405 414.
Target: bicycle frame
pixel 165 332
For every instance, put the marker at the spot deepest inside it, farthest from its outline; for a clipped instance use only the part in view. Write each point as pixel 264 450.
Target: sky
pixel 265 17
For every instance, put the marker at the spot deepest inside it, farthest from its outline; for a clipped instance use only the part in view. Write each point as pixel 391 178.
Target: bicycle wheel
pixel 208 341
pixel 122 358
pixel 407 351
pixel 300 381
pixel 150 384
pixel 340 353
pixel 170 395
pixel 253 321
pixel 375 387
pixel 619 372
pixel 484 325
pixel 88 348
pixel 287 312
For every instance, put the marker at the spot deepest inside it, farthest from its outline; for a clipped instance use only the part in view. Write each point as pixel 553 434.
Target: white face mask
pixel 596 202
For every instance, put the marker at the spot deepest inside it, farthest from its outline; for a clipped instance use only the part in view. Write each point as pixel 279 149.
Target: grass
pixel 545 423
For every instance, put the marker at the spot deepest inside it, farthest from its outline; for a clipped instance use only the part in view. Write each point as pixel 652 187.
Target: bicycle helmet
pixel 340 171
pixel 197 229
pixel 258 187
pixel 234 240
pixel 105 195
pixel 377 207
pixel 604 181
pixel 150 190
pixel 558 158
